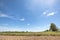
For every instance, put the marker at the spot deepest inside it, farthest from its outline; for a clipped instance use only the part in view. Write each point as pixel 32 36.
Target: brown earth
pixel 29 37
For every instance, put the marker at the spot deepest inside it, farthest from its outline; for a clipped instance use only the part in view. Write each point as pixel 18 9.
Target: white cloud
pixel 22 19
pixel 11 17
pixel 51 14
pixel 44 13
pixel 48 13
pixel 7 16
pixel 3 15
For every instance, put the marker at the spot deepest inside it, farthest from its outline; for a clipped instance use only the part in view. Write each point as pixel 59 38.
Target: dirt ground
pixel 29 37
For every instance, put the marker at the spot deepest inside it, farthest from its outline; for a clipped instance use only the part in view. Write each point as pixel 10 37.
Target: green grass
pixel 30 33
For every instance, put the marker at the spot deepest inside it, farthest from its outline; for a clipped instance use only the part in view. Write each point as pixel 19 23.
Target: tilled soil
pixel 29 37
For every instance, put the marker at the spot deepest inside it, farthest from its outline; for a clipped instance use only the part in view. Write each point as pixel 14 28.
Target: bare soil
pixel 29 37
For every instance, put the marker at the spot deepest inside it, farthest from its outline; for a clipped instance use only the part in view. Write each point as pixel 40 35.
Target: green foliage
pixel 46 30
pixel 53 27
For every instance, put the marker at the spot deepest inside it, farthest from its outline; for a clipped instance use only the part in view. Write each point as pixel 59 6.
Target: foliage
pixel 53 27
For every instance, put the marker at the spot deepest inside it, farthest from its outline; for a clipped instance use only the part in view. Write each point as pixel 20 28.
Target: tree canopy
pixel 53 27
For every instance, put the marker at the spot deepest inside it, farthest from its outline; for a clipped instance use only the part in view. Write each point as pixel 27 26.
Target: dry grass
pixel 29 37
pixel 30 33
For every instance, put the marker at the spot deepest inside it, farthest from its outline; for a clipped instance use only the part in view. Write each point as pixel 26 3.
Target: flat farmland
pixel 29 37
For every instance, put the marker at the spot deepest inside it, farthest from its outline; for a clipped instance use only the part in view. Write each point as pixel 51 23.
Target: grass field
pixel 30 33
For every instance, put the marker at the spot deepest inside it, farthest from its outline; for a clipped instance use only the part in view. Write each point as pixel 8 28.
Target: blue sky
pixel 28 15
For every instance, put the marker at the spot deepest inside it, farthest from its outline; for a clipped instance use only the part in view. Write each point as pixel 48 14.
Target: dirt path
pixel 29 37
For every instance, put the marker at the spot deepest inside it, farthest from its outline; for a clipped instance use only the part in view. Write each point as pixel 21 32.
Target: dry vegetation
pixel 30 35
pixel 29 38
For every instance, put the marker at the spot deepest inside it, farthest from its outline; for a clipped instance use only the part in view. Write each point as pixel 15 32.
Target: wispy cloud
pixel 48 13
pixel 44 13
pixel 6 15
pixel 11 17
pixel 51 14
pixel 37 6
pixel 3 15
pixel 22 19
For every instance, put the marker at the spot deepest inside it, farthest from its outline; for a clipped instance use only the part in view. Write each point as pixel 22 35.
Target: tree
pixel 46 30
pixel 53 27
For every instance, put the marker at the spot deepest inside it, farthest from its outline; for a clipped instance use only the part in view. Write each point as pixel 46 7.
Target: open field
pixel 29 38
pixel 30 33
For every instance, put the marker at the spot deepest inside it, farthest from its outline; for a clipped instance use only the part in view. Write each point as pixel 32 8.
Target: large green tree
pixel 53 27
